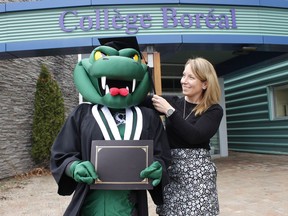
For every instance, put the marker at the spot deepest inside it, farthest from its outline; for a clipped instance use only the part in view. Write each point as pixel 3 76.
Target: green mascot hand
pixel 83 172
pixel 154 171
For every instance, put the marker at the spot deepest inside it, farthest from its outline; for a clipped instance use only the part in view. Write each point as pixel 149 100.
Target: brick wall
pixel 17 88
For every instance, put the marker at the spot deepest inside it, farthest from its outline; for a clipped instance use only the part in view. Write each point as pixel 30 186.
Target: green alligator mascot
pixel 113 81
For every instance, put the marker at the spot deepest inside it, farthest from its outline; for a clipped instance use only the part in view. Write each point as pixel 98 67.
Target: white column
pixel 223 143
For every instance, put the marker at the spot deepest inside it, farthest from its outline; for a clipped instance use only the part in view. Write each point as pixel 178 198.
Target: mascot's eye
pixel 98 55
pixel 136 57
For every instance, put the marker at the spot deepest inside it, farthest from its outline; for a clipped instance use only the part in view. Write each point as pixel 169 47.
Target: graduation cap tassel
pixel 153 91
pixel 150 73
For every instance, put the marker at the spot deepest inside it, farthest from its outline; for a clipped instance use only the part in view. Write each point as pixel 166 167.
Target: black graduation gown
pixel 74 143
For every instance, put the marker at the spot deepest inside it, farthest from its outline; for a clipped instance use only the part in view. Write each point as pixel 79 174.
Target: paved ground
pixel 248 184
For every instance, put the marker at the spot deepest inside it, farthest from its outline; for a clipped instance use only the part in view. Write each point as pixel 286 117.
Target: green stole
pixel 113 202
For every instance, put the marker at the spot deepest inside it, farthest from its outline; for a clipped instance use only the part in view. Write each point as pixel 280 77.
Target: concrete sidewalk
pixel 253 184
pixel 248 185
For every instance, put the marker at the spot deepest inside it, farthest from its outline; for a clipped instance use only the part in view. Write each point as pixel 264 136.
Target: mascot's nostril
pixel 105 58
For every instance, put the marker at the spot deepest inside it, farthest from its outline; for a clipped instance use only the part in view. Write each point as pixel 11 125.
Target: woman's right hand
pixel 161 104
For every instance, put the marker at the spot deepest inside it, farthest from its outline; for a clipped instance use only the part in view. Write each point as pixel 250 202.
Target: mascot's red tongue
pixel 116 91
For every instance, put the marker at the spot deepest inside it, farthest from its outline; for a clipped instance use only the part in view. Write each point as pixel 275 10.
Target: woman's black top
pixel 195 131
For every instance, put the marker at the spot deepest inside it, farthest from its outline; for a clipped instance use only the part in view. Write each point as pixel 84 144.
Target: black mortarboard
pixel 121 43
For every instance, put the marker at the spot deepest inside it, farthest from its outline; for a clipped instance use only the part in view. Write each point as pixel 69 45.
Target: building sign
pixel 105 19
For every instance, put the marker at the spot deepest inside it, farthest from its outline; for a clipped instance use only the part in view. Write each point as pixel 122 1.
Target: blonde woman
pixel 191 121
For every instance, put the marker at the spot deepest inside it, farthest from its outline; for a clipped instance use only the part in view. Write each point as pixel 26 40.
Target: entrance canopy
pixel 230 34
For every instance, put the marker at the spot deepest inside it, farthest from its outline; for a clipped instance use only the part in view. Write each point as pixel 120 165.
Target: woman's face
pixel 191 86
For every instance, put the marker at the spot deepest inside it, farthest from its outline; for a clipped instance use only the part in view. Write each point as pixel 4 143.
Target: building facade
pixel 257 107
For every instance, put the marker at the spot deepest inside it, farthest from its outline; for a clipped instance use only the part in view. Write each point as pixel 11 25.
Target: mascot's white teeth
pixel 107 89
pixel 133 85
pixel 103 82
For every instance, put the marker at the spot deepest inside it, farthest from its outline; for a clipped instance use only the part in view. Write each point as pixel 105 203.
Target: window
pixel 279 101
pixel 171 84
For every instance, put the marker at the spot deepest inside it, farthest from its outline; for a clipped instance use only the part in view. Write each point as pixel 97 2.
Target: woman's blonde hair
pixel 205 72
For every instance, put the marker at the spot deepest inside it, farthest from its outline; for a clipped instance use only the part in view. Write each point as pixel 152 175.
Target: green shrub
pixel 49 115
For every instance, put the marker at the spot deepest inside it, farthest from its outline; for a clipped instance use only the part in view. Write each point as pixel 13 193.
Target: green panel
pixel 249 127
pixel 273 21
pixel 256 75
pixel 43 24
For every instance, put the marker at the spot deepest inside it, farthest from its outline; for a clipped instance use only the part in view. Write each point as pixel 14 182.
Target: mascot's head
pixel 113 75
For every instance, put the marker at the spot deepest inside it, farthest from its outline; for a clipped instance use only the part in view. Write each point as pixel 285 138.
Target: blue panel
pixel 2 8
pixel 135 2
pixel 48 44
pixel 274 3
pixel 275 40
pixel 2 47
pixel 233 39
pixel 95 41
pixel 222 2
pixel 3 53
pixel 45 4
